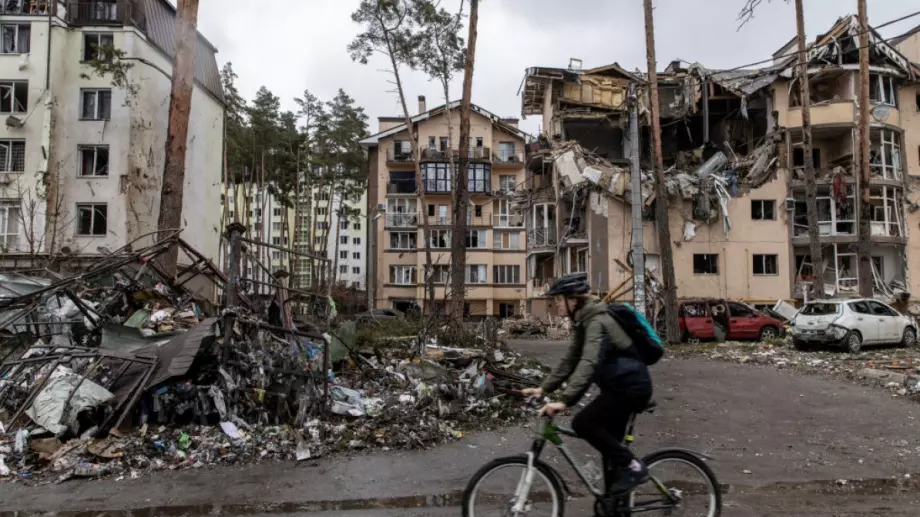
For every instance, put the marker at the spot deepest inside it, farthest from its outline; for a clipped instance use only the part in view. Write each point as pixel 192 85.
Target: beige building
pixel 731 143
pixel 496 241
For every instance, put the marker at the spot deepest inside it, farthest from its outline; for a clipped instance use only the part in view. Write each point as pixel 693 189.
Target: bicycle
pixel 669 498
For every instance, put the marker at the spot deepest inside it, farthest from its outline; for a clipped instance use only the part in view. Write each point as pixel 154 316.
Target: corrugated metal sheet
pixel 160 21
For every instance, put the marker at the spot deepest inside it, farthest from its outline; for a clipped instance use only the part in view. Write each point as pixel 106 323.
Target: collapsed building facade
pixel 734 162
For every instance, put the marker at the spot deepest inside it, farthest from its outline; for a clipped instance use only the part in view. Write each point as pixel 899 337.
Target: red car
pixel 721 319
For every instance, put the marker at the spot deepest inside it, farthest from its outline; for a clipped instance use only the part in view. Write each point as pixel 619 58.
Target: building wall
pixel 355 273
pixel 484 299
pixel 135 135
pixel 735 278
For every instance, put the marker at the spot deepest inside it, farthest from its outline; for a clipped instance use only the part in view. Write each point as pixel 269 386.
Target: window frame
pixel 13 85
pixel 763 203
pixel 697 271
pixel 6 166
pixel 481 269
pixel 10 216
pixel 96 92
pixel 506 274
pixel 409 240
pixel 763 264
pixel 99 55
pixel 93 214
pixel 83 148
pixel 18 39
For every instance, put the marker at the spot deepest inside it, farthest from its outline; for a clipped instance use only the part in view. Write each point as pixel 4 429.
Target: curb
pixel 876 486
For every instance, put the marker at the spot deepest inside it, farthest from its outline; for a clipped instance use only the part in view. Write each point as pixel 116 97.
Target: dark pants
pixel 602 423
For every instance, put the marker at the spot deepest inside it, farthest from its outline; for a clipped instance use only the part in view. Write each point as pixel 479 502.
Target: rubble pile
pixel 138 374
pixel 551 328
pixel 897 370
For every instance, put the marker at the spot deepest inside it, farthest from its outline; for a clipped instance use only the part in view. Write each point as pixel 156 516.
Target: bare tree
pixel 441 55
pixel 180 102
pixel 388 29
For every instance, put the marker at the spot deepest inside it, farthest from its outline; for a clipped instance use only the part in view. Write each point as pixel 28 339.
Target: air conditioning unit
pixel 13 122
pixel 790 204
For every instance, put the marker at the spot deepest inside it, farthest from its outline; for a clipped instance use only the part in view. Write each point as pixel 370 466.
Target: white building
pixel 92 150
pixel 268 221
pixel 346 237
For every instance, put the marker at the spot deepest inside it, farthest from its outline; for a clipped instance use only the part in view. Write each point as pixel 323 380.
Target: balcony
pixel 400 220
pixel 28 7
pixel 484 219
pixel 102 12
pixel 395 156
pixel 432 154
pixel 837 112
pixel 508 159
pixel 541 238
pixel 508 221
pixel 401 187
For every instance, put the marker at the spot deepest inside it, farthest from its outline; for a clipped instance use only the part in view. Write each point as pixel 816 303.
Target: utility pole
pixel 180 102
pixel 638 247
pixel 661 191
pixel 811 187
pixel 864 231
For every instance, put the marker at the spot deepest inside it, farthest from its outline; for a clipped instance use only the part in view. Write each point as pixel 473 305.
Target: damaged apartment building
pixel 733 159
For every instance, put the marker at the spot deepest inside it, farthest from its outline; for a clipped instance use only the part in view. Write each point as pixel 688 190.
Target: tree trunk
pixel 661 191
pixel 420 187
pixel 335 257
pixel 811 188
pixel 180 102
pixel 461 195
pixel 864 248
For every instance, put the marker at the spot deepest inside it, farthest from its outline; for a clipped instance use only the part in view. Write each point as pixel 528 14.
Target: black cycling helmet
pixel 570 285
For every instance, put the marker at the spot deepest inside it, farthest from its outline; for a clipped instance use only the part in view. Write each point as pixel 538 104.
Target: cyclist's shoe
pixel 625 479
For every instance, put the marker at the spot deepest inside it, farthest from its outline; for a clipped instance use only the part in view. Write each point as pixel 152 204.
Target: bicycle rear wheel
pixel 492 490
pixel 679 481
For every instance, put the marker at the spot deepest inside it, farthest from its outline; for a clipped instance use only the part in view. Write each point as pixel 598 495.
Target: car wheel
pixel 767 333
pixel 909 340
pixel 853 342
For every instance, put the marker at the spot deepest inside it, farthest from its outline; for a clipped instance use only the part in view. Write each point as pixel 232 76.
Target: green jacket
pixel 593 324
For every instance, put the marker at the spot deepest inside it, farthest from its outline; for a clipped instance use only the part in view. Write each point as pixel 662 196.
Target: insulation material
pixel 689 230
pixel 567 167
pixel 599 204
pixel 51 403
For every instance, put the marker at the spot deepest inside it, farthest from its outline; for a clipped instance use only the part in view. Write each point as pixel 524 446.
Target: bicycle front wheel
pixel 496 489
pixel 678 481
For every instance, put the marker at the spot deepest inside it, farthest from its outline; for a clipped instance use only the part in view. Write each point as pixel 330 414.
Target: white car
pixel 851 324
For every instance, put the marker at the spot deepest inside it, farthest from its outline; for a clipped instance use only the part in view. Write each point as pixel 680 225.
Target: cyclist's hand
pixel 532 392
pixel 552 408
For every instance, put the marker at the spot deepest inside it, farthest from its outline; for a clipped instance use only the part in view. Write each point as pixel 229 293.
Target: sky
pixel 301 44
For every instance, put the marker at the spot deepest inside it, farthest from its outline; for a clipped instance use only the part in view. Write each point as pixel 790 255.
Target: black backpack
pixel 645 340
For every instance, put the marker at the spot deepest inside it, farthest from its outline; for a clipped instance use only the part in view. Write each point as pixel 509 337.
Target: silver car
pixel 851 324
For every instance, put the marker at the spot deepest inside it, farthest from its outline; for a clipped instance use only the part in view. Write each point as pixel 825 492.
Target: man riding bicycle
pixel 601 353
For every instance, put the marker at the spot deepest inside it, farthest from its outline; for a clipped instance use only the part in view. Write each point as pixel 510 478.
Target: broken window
pixel 12 155
pixel 94 160
pixel 431 143
pixel 739 310
pixel 476 239
pixel 402 275
pixel 97 104
pixel 14 96
pixel 16 38
pixel 885 154
pixel 476 274
pixel 798 157
pixel 10 216
pixel 92 219
pixel 882 90
pixel 506 152
pixel 506 274
pixel 403 240
pixel 706 264
pixel 763 209
pixel 440 239
pixel 766 265
pixel 97 46
pixel 443 142
pixel 441 274
pixel 507 183
pixel 886 213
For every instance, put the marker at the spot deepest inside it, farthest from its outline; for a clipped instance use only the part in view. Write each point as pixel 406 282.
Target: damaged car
pixel 719 320
pixel 851 324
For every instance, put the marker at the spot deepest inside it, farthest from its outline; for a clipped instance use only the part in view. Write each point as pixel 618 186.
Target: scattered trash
pixel 4 470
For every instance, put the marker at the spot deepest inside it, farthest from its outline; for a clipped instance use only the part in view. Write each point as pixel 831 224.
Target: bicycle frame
pixel 552 433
